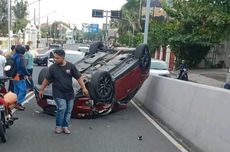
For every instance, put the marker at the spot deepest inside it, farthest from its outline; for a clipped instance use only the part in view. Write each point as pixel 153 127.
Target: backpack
pixel 12 71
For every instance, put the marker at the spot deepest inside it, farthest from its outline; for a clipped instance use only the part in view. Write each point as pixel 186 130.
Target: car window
pixel 48 52
pixel 158 65
pixel 73 57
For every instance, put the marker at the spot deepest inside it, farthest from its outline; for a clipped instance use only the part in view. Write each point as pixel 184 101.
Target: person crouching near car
pixel 19 82
pixel 60 74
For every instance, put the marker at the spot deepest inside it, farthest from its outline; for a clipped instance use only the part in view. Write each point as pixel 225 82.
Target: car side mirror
pixel 51 55
pixel 51 60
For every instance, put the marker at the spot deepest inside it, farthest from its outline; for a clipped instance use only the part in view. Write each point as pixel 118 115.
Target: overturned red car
pixel 112 76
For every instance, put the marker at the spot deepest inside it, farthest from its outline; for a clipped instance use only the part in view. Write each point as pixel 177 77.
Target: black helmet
pixel 20 49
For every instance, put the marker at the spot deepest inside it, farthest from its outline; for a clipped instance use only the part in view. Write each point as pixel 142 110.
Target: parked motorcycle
pixel 7 103
pixel 183 75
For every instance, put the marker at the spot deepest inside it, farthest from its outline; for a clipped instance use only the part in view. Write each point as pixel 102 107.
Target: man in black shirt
pixel 60 74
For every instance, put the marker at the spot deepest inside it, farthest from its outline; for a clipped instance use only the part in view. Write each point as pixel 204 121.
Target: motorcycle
pixel 7 103
pixel 183 75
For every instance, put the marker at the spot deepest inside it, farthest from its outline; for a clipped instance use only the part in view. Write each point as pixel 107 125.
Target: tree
pixel 201 25
pixel 20 13
pixel 3 18
pixel 129 23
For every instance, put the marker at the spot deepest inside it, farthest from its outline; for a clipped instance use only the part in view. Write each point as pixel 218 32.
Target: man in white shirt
pixel 2 63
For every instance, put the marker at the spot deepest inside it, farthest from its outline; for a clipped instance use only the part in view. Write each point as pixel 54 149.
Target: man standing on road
pixel 60 74
pixel 21 74
pixel 29 67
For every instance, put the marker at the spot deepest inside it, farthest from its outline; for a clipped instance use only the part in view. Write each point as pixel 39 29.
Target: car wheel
pixel 95 47
pixel 142 53
pixel 101 87
pixel 2 133
pixel 42 75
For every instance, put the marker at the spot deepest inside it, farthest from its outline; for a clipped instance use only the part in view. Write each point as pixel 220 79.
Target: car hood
pixel 41 55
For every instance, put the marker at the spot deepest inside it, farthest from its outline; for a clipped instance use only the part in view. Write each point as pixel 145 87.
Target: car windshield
pixel 158 65
pixel 84 49
pixel 47 53
pixel 73 57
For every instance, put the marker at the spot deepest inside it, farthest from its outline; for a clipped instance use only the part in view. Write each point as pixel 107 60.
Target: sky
pixel 72 11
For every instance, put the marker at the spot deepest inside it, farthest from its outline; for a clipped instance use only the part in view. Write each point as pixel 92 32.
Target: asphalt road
pixel 117 132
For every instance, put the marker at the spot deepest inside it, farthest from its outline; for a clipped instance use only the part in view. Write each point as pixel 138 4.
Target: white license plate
pixel 51 102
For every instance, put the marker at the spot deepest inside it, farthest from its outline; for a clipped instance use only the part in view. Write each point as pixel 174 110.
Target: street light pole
pixel 9 35
pixel 39 24
pixel 147 21
pixel 106 29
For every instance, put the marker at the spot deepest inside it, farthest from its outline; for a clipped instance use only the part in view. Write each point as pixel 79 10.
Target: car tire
pixel 142 53
pixel 95 47
pixel 101 87
pixel 42 75
pixel 2 133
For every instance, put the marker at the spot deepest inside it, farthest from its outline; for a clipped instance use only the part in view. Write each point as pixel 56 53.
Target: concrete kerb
pixel 193 110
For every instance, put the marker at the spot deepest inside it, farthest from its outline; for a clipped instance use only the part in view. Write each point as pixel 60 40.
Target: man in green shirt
pixel 29 66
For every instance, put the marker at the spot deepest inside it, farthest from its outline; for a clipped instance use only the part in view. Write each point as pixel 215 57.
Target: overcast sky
pixel 73 11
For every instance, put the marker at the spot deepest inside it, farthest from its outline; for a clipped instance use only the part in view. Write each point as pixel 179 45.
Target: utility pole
pixel 47 36
pixel 106 29
pixel 34 16
pixel 147 21
pixel 9 34
pixel 39 24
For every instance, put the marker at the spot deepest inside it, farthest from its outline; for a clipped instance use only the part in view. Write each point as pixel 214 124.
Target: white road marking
pixel 27 100
pixel 168 136
pixel 30 96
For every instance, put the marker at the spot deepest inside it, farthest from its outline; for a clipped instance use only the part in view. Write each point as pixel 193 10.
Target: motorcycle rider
pixel 181 68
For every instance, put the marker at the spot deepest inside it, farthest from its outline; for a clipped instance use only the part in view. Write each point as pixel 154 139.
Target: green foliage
pixel 191 53
pixel 125 39
pixel 201 25
pixel 160 32
pixel 20 13
pixel 138 39
pixel 3 18
pixel 129 25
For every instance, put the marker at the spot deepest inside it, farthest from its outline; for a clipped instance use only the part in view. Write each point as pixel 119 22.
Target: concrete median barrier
pixel 199 113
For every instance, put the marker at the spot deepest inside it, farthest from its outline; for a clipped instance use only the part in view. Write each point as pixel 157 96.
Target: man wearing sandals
pixel 60 75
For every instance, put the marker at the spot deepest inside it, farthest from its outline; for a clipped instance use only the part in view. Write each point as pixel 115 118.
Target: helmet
pixel 20 49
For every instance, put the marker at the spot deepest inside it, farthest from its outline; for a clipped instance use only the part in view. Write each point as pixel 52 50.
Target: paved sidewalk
pixel 211 77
